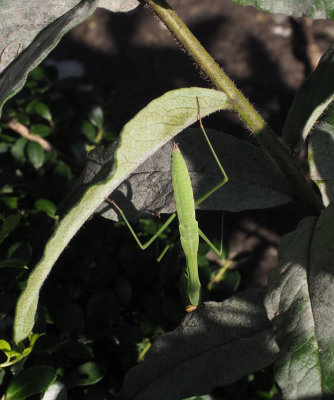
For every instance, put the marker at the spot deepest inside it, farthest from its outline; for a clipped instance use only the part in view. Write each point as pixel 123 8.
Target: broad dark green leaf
pixel 77 350
pixel 17 149
pixel 28 34
pixel 215 345
pixel 253 179
pixel 300 304
pixel 8 225
pixel 36 154
pixel 311 100
pixel 88 130
pixel 321 156
pixel 319 9
pixel 30 381
pixel 86 374
pixel 43 110
pixel 41 130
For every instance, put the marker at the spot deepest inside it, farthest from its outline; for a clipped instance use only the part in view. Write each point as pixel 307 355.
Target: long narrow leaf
pixel 312 99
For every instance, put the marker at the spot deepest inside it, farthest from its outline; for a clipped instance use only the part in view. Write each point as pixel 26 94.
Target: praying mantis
pixel 188 225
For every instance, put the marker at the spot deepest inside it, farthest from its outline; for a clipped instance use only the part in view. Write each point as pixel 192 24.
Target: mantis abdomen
pixel 189 235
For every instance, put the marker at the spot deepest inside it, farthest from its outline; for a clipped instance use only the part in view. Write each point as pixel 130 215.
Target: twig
pixel 24 131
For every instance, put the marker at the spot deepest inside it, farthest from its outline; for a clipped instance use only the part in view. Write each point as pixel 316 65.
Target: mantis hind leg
pixel 215 188
pixel 144 246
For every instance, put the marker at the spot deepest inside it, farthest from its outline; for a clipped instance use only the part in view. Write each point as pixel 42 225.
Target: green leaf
pixel 36 154
pixel 318 9
pixel 4 346
pixel 37 107
pixel 96 116
pixel 47 206
pixel 77 350
pixel 13 263
pixel 43 110
pixel 88 130
pixel 311 100
pixel 86 374
pixel 30 381
pixel 3 147
pixel 17 149
pixel 215 345
pixel 8 225
pixel 300 304
pixel 162 119
pixel 41 130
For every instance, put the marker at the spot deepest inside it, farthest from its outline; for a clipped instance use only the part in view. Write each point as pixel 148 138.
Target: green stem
pixel 246 111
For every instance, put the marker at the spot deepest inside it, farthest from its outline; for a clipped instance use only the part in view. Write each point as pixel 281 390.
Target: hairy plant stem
pixel 299 187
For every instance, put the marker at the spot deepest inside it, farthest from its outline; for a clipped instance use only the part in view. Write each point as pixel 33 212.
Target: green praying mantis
pixel 188 225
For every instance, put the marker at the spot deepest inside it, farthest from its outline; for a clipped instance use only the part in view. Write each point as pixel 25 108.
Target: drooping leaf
pixel 17 149
pixel 36 154
pixel 28 34
pixel 88 130
pixel 41 130
pixel 86 374
pixel 320 9
pixel 8 225
pixel 34 31
pixel 321 156
pixel 47 206
pixel 300 304
pixel 311 100
pixel 149 130
pixel 214 346
pixel 254 181
pixel 30 381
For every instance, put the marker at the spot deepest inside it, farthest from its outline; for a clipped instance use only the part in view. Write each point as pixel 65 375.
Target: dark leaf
pixel 30 381
pixel 300 304
pixel 36 154
pixel 215 345
pixel 86 374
